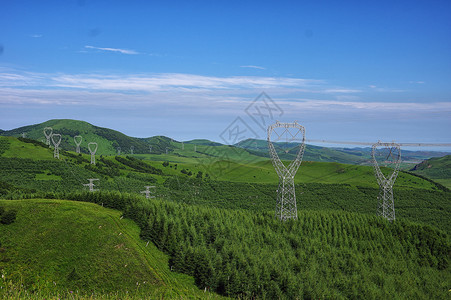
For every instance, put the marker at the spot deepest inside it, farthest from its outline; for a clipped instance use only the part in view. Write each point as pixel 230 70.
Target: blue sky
pixel 346 70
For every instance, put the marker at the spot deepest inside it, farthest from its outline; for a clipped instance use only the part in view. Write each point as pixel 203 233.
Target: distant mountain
pixel 203 142
pixel 356 156
pixel 108 140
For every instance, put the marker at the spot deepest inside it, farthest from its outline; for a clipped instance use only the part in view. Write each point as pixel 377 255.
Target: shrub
pixel 8 217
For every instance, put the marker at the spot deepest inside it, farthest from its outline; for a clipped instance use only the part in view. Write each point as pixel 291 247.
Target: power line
pixel 371 144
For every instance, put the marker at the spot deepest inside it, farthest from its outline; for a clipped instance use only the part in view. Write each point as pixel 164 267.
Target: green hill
pixel 437 169
pixel 29 167
pixel 108 140
pixel 68 248
pixel 219 228
pixel 324 254
pixel 355 156
pixel 250 150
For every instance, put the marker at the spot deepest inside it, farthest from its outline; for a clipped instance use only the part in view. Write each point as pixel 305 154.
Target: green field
pixel 62 247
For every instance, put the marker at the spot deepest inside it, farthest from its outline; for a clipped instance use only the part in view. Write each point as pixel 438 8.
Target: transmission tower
pixel 56 153
pixel 78 139
pixel 131 149
pixel 149 192
pixel 286 197
pixel 166 150
pixel 389 156
pixel 119 151
pixel 48 131
pixel 150 149
pixel 91 184
pixel 195 148
pixel 183 146
pixel 24 134
pixel 93 151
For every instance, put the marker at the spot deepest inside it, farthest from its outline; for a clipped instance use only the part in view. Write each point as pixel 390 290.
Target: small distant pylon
pixel 149 192
pixel 195 148
pixel 48 131
pixel 77 139
pixel 91 184
pixel 93 152
pixel 150 149
pixel 24 135
pixel 131 149
pixel 183 146
pixel 167 150
pixel 56 153
pixel 118 151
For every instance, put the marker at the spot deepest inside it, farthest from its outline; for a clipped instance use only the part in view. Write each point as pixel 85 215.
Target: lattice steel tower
pixel 48 131
pixel 286 196
pixel 149 193
pixel 91 184
pixel 78 139
pixel 56 153
pixel 93 152
pixel 388 155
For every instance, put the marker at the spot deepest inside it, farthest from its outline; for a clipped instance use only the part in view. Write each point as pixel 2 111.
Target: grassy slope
pixel 438 169
pixel 52 238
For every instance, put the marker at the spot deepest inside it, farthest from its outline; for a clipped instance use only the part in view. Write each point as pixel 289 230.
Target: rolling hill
pixel 109 141
pixel 437 169
pixel 60 248
pixel 212 216
pixel 29 167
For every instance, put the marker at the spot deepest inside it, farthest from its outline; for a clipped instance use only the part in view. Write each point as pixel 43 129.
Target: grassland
pixel 437 169
pixel 66 248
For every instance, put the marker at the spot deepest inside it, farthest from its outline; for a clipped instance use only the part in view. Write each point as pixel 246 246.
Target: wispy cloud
pixel 253 67
pixel 194 91
pixel 174 81
pixel 123 51
pixel 36 35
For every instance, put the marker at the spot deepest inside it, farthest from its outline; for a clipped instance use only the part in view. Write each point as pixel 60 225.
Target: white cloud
pixel 36 35
pixel 123 51
pixel 341 91
pixel 253 67
pixel 200 93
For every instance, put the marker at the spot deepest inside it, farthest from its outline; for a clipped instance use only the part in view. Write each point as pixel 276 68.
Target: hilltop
pixel 108 140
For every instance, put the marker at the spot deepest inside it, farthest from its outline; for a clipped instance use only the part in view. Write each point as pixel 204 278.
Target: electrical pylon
pixel 286 197
pixel 91 184
pixel 48 131
pixel 78 139
pixel 391 158
pixel 119 151
pixel 148 192
pixel 131 149
pixel 93 151
pixel 56 153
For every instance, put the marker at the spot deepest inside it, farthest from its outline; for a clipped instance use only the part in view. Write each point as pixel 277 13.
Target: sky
pixel 225 70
